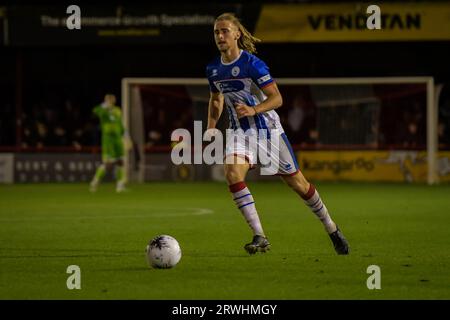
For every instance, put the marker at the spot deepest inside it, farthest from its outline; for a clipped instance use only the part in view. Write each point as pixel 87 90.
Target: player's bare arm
pixel 215 108
pixel 273 101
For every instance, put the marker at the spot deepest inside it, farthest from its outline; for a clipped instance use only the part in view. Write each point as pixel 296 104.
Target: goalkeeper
pixel 113 132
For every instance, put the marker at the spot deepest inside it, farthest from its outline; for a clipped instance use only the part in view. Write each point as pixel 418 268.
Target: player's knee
pixel 232 175
pixel 298 183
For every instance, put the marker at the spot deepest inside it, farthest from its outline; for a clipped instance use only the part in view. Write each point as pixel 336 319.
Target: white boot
pixel 93 186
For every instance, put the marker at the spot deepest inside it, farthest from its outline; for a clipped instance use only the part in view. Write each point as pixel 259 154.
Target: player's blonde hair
pixel 246 41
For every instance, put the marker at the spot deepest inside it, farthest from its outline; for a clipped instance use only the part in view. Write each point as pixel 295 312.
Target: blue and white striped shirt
pixel 241 81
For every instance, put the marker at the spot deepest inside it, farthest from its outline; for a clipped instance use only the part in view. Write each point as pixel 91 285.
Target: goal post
pixel 131 108
pixel 131 88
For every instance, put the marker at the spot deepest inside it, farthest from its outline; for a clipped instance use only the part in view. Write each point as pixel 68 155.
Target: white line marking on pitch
pixel 172 212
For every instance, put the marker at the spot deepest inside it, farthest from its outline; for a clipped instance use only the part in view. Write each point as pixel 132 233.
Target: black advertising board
pixel 127 24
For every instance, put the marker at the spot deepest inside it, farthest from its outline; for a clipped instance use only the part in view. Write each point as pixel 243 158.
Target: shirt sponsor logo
pixel 230 86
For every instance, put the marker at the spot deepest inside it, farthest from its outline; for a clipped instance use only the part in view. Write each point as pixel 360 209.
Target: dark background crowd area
pixel 47 92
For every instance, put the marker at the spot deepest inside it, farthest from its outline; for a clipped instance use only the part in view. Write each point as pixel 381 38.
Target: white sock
pixel 314 202
pixel 120 185
pixel 244 201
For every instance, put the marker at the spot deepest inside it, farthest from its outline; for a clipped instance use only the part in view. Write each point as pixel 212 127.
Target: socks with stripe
pixel 244 201
pixel 314 202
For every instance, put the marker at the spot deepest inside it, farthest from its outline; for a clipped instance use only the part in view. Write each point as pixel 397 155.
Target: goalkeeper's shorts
pixel 112 149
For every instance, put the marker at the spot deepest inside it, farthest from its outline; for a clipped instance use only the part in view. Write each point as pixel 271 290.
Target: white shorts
pixel 273 153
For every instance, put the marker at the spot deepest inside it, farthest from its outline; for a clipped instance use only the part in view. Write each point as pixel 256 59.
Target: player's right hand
pixel 243 110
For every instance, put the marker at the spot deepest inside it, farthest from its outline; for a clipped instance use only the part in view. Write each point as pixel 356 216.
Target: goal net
pixel 374 129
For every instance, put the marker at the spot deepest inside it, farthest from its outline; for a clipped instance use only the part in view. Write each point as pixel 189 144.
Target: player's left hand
pixel 128 143
pixel 244 110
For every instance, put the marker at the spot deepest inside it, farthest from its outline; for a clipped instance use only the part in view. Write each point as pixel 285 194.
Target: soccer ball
pixel 163 252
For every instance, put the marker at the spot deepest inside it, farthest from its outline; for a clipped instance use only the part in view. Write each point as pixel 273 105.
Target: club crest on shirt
pixel 235 71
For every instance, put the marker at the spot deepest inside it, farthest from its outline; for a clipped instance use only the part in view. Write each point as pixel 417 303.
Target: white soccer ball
pixel 163 252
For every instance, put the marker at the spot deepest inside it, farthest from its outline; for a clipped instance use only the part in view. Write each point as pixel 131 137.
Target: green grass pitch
pixel 404 229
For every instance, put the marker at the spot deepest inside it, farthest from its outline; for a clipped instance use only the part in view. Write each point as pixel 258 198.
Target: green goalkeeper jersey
pixel 110 121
